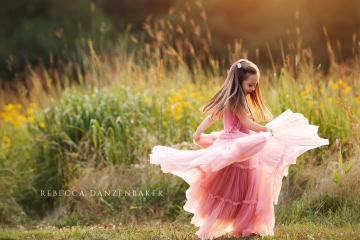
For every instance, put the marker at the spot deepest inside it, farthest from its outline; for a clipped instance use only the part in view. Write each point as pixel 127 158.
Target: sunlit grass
pixel 112 109
pixel 181 230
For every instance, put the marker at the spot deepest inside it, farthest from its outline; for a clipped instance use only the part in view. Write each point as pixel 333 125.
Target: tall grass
pixel 67 128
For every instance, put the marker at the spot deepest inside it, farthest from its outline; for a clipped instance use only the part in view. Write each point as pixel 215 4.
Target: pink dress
pixel 235 178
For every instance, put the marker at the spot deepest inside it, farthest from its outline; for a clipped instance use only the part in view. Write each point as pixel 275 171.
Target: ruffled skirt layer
pixel 235 179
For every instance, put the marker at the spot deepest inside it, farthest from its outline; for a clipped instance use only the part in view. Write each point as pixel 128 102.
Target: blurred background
pixel 44 30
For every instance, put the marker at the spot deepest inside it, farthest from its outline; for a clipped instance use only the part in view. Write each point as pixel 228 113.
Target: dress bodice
pixel 232 123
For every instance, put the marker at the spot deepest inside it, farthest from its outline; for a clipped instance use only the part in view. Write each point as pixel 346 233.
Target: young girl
pixel 235 178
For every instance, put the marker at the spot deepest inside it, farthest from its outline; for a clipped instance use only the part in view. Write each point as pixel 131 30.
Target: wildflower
pixel 330 99
pixel 42 124
pixel 174 99
pixel 17 123
pixel 9 107
pixel 346 90
pixel 178 117
pixel 178 108
pixel 357 99
pixel 6 116
pixel 164 123
pixel 22 118
pixel 7 141
pixel 307 90
pixel 30 111
pixel 303 94
pixel 18 106
pixel 334 85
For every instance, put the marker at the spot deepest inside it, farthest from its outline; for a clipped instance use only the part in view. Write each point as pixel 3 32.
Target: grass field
pixel 155 230
pixel 93 125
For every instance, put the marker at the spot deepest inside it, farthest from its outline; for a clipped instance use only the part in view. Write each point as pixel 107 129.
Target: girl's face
pixel 249 84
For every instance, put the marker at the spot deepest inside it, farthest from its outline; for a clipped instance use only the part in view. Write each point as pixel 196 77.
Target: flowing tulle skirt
pixel 235 178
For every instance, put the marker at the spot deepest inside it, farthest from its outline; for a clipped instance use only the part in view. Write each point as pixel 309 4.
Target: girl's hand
pixel 196 136
pixel 270 130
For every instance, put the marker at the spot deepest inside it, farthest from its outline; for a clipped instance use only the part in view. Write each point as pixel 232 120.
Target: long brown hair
pixel 231 95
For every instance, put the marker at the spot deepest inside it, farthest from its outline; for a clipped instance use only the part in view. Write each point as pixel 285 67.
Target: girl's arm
pixel 249 124
pixel 207 122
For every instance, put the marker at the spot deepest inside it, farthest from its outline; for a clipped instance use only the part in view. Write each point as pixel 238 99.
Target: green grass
pixel 175 230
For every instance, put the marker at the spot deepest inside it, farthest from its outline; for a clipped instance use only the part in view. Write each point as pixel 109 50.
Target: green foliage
pixel 45 28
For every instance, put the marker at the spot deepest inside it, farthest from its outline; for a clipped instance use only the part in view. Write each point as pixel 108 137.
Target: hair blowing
pixel 231 95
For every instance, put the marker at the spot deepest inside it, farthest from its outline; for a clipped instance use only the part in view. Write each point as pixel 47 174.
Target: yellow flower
pixel 174 99
pixel 178 109
pixel 9 107
pixel 321 105
pixel 7 141
pixel 357 99
pixel 30 111
pixel 6 116
pixel 42 124
pixel 22 118
pixel 306 90
pixel 178 117
pixel 340 81
pixel 164 123
pixel 17 123
pixel 346 90
pixel 18 106
pixel 335 85
pixel 330 99
pixel 303 94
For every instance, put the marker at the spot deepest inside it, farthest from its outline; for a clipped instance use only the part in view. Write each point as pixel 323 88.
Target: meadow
pixel 93 125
